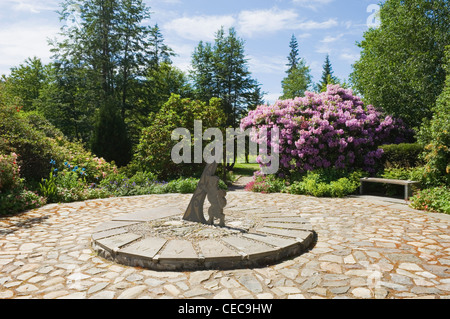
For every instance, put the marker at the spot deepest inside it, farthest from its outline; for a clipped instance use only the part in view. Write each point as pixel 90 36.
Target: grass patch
pixel 245 169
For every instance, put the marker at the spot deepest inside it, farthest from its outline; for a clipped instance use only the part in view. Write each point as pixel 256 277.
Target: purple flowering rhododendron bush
pixel 333 129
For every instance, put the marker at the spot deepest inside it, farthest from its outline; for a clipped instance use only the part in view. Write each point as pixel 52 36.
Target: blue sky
pixel 321 26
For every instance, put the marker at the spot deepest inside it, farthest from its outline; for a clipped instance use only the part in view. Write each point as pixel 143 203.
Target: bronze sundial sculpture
pixel 208 187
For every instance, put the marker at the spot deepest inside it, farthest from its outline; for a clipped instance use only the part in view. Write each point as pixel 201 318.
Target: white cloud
pixel 312 4
pixel 248 23
pixel 199 27
pixel 271 98
pixel 33 6
pixel 331 39
pixel 349 57
pixel 267 64
pixel 314 25
pixel 18 42
pixel 264 21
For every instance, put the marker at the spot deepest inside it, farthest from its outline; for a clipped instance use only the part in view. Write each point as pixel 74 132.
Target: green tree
pixel 158 51
pixel 203 72
pixel 401 66
pixel 298 76
pixel 435 135
pixel 327 76
pixel 159 84
pixel 293 58
pixel 111 49
pixel 154 150
pixel 66 100
pixel 26 81
pixel 110 136
pixel 222 71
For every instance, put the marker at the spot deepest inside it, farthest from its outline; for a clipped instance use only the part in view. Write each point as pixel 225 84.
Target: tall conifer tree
pixel 298 76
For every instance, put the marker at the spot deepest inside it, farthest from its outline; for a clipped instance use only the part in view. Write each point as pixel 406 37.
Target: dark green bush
pixel 402 155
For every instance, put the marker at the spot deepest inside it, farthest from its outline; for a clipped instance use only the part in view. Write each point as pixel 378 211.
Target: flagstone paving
pixel 365 248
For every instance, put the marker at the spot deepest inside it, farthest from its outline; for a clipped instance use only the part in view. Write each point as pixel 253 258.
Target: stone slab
pixel 249 247
pixel 212 249
pixel 286 220
pixel 271 240
pixel 116 242
pixel 112 225
pixel 289 226
pixel 278 215
pixel 109 233
pixel 178 249
pixel 149 215
pixel 147 248
pixel 298 234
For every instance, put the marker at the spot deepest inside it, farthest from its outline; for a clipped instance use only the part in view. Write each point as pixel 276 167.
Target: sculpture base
pixel 159 239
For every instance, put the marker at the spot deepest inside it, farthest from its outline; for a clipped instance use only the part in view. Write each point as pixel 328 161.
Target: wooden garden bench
pixel 407 184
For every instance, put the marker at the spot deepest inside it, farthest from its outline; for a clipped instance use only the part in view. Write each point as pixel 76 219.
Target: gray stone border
pixel 281 236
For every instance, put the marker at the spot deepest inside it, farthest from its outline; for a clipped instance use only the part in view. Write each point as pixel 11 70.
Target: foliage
pixel 19 200
pixel 110 137
pixel 266 184
pixel 324 183
pixel 37 142
pixel 331 129
pixel 146 183
pixel 153 153
pixel 222 71
pixel 327 76
pixel 401 68
pixel 435 135
pixel 100 64
pixel 9 172
pixel 69 185
pixel 26 81
pixel 416 174
pixel 298 75
pixel 407 174
pixel 66 100
pixel 48 188
pixel 432 200
pixel 14 197
pixel 32 146
pixel 402 155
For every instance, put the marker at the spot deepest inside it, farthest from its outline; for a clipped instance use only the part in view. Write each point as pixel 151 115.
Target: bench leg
pixel 361 189
pixel 406 192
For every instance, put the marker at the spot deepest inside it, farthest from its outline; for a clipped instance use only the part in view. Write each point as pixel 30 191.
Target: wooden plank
pixel 387 181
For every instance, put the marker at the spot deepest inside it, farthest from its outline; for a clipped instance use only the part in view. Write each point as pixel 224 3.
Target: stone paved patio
pixel 366 248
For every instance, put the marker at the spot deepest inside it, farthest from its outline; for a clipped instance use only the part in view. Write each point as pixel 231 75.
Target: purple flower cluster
pixel 330 129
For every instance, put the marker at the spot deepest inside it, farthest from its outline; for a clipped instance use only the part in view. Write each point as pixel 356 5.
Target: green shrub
pixel 432 200
pixel 417 174
pixel 70 185
pixel 146 183
pixel 37 143
pixel 14 197
pixel 266 184
pixel 402 155
pixel 19 200
pixel 9 172
pixel 327 183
